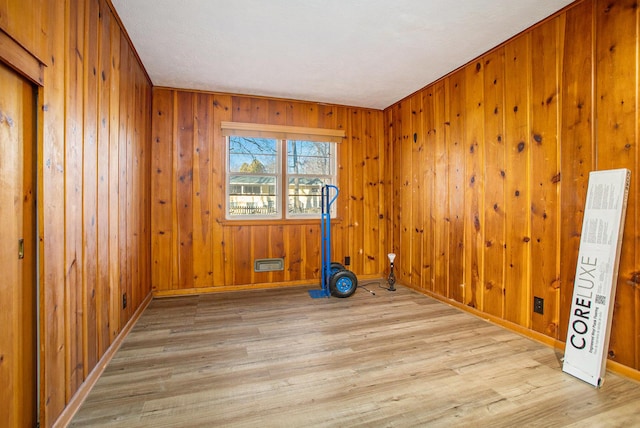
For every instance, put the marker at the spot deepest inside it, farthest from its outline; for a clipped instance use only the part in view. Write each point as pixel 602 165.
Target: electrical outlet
pixel 124 301
pixel 538 305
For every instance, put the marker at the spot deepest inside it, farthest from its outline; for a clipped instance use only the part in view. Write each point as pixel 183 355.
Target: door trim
pixel 20 59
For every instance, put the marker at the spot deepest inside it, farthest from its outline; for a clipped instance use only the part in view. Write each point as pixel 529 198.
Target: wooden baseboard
pixel 76 401
pixel 613 366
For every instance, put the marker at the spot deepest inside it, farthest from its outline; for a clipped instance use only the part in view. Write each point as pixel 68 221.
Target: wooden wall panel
pixel 202 192
pixel 114 126
pixel 473 147
pixel 55 336
pixel 517 185
pixel 161 194
pixel 374 199
pixel 355 192
pixel 534 102
pixel 195 247
pixel 441 190
pixel 73 192
pixel 576 151
pixel 89 181
pixel 428 184
pixel 616 52
pixel 394 137
pixel 457 131
pixel 494 191
pixel 416 190
pixel 93 181
pixel 545 175
pixel 103 291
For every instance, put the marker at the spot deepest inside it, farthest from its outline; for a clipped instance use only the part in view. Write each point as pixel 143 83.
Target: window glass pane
pixel 252 195
pixel 253 155
pixel 309 157
pixel 304 194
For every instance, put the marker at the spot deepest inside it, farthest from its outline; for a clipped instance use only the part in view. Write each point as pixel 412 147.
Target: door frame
pixel 24 63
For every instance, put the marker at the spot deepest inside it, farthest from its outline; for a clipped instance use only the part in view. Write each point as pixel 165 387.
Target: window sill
pixel 280 222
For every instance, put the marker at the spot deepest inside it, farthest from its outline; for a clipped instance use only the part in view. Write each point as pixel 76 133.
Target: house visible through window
pixel 267 177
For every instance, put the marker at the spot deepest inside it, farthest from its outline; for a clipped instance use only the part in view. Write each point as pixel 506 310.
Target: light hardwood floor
pixel 277 358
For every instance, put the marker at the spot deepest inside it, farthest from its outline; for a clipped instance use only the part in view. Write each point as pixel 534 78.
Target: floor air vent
pixel 268 265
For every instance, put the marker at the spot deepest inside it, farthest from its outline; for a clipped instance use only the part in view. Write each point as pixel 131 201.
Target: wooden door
pixel 18 361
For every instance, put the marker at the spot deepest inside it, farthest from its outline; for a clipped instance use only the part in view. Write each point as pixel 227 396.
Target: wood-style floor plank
pixel 268 358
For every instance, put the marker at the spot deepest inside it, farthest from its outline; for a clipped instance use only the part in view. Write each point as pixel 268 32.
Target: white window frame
pixel 282 135
pixel 332 177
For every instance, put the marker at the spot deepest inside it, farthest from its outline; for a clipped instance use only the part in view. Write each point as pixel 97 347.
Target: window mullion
pixel 284 179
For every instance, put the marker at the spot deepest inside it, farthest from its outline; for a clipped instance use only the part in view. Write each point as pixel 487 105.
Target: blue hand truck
pixel 335 279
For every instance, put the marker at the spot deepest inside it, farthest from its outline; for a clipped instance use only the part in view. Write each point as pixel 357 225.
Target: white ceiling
pixel 366 53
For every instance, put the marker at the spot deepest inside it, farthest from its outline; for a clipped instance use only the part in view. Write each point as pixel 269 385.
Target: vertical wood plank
pixel 474 185
pixel 241 109
pixel 123 134
pixel 114 128
pixel 517 84
pixel 416 143
pixel 259 249
pixel 276 245
pixel 184 186
pixel 202 192
pixel 441 189
pixel 222 111
pixel 161 195
pixel 89 194
pixel 430 196
pixel 73 192
pixel 456 186
pixel 617 147
pixel 293 239
pixel 243 265
pixel 277 112
pixel 577 144
pixel 51 181
pixel 403 210
pixel 494 195
pixel 308 260
pixel 545 176
pixel 372 202
pixel 355 192
pixel 103 297
pixel 342 246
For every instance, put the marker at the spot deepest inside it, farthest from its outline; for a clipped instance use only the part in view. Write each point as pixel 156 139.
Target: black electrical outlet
pixel 347 260
pixel 124 301
pixel 538 305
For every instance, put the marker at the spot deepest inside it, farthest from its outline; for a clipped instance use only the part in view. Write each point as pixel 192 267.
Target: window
pixel 267 177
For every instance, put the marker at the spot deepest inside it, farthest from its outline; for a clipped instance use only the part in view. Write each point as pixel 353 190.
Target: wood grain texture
pixel 473 146
pixel 416 191
pixel 545 174
pixel 93 185
pixel 276 357
pixel 576 152
pixel 456 138
pixel 18 285
pixel 560 100
pixel 616 52
pixel 494 190
pixel 195 247
pixel 517 181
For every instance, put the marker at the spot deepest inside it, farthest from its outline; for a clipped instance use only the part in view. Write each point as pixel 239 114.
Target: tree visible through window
pixel 266 177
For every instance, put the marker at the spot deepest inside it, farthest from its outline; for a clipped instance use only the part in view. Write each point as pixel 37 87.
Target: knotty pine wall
pixel 195 249
pixel 490 169
pixel 94 185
